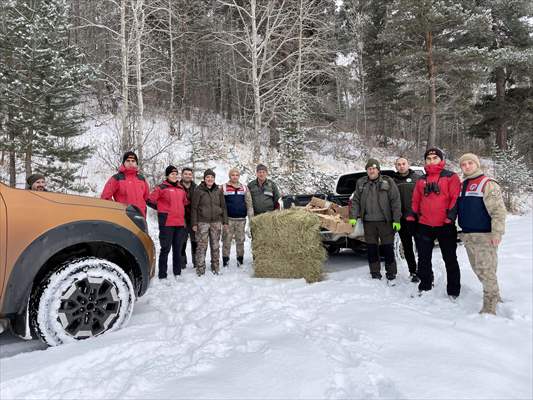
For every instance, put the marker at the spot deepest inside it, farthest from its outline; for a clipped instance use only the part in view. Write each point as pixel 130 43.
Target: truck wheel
pixel 82 299
pixel 332 249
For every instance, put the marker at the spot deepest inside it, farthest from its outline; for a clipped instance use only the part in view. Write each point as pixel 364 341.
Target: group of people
pixel 423 209
pixel 201 214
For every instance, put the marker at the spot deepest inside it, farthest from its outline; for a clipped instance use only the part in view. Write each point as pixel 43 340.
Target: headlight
pixel 136 216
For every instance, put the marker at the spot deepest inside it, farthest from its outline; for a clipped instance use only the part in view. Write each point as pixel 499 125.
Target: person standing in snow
pixel 187 182
pixel 376 200
pixel 128 186
pixel 170 199
pixel 482 213
pixel 36 182
pixel 434 207
pixel 239 206
pixel 265 193
pixel 208 215
pixel 405 178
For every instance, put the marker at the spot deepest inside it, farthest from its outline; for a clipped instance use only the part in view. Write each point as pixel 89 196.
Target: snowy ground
pixel 234 336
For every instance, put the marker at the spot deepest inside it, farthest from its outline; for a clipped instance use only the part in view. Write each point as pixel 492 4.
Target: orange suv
pixel 70 266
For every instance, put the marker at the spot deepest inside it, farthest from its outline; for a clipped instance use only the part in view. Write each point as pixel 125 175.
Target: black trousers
pixel 170 237
pixel 447 238
pixel 407 235
pixel 189 235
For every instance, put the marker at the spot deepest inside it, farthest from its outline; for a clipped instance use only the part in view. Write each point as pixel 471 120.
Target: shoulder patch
pixel 141 177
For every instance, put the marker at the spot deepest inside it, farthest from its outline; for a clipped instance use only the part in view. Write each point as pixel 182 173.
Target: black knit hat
pixel 209 171
pixel 129 154
pixel 170 169
pixel 372 162
pixel 33 178
pixel 434 151
pixel 261 167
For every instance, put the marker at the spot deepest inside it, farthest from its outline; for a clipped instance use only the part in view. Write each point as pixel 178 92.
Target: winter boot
pixel 240 261
pixel 375 275
pixel 200 271
pixel 225 261
pixel 489 305
pixel 390 276
pixel 414 278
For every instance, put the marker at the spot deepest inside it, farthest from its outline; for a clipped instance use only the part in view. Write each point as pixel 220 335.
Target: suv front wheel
pixel 83 298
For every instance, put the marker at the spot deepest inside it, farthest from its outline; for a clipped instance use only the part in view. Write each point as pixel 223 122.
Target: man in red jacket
pixel 128 186
pixel 170 199
pixel 434 206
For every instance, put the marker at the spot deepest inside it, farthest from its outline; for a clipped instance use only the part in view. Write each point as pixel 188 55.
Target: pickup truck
pixel 344 187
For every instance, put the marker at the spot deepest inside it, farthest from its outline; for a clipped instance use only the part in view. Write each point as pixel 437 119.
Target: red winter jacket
pixel 170 201
pixel 431 208
pixel 127 187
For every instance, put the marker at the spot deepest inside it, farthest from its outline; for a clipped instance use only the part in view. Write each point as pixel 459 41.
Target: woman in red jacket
pixel 170 199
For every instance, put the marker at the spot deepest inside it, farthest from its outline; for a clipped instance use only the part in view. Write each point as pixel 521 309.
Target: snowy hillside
pixel 234 336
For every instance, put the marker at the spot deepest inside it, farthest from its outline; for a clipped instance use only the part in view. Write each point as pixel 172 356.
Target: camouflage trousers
pixel 235 230
pixel 208 233
pixel 483 257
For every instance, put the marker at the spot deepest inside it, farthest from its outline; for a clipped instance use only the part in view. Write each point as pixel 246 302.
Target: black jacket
pixel 406 185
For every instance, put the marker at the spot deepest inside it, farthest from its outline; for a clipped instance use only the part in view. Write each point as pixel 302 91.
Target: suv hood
pixel 77 200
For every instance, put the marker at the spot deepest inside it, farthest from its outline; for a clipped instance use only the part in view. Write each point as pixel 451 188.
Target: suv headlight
pixel 136 216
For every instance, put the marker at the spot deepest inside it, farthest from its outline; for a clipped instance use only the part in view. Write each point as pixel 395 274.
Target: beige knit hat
pixel 232 171
pixel 471 157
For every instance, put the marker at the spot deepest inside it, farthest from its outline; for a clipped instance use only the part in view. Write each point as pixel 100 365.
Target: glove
pixel 396 226
pixel 352 222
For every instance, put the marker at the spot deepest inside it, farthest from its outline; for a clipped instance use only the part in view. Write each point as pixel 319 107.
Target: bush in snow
pixel 512 173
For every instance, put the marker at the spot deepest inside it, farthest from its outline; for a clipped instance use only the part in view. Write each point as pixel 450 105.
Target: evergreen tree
pixel 512 173
pixel 42 84
pixel 511 63
pixel 431 44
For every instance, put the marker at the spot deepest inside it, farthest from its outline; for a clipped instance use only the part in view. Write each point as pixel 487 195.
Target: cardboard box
pixel 334 224
pixel 332 209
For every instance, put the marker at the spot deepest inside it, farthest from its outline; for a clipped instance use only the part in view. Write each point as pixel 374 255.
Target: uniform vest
pixel 235 200
pixel 473 215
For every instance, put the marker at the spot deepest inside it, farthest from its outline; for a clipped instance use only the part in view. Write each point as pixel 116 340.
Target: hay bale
pixel 286 244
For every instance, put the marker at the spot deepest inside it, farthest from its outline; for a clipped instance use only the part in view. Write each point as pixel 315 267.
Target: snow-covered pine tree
pixel 42 84
pixel 512 173
pixel 292 145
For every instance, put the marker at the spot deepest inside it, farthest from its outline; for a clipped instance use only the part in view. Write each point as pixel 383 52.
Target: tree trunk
pixel 501 130
pixel 171 120
pixel 27 159
pixel 255 84
pixel 126 145
pixel 432 137
pixel 12 161
pixel 138 19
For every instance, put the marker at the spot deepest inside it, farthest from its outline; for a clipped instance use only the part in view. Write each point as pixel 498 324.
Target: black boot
pixel 239 261
pixel 375 275
pixel 414 278
pixel 225 261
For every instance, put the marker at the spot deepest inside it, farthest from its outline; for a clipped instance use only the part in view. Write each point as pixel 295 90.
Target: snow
pixel 235 336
